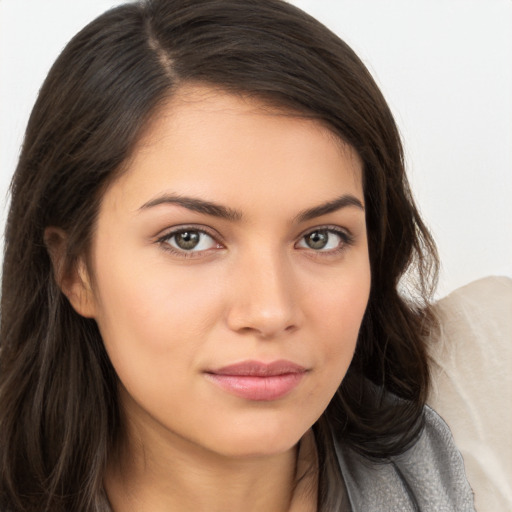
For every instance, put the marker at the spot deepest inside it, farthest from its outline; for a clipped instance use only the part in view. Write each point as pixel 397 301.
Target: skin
pixel 253 289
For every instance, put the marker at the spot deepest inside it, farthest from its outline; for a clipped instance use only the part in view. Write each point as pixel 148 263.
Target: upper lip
pixel 260 369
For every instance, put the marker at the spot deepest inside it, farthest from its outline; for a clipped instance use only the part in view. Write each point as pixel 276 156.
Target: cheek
pixel 153 315
pixel 341 300
pixel 154 326
pixel 338 319
pixel 338 311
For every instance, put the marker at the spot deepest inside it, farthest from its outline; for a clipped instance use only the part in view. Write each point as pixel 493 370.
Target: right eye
pixel 189 240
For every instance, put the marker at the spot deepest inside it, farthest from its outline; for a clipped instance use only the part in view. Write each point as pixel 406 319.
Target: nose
pixel 264 300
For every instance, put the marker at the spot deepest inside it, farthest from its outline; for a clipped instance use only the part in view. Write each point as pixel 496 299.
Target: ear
pixel 74 282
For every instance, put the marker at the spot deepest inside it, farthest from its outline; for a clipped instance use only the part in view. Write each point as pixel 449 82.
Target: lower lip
pixel 271 387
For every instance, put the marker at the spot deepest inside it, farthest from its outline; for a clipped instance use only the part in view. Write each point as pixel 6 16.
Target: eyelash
pixel 346 238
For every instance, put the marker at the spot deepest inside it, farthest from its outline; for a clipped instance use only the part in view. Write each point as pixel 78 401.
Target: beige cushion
pixel 472 384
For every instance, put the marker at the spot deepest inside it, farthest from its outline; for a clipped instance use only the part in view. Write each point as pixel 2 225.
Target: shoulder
pixel 428 477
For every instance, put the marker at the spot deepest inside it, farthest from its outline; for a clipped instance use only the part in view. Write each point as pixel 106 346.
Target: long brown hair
pixel 59 413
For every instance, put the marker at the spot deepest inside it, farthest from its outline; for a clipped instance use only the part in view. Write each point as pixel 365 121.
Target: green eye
pixel 324 240
pixel 189 240
pixel 317 239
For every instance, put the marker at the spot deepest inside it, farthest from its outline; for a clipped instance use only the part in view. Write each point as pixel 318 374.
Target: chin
pixel 249 449
pixel 257 440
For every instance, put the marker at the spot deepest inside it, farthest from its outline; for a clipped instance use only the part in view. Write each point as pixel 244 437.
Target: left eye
pixel 321 240
pixel 190 240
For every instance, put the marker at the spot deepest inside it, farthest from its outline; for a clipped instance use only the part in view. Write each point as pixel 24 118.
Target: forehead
pixel 205 141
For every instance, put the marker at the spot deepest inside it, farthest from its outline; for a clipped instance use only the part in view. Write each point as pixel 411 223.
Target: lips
pixel 257 381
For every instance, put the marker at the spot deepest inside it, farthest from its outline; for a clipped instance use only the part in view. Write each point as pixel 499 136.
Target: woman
pixel 209 222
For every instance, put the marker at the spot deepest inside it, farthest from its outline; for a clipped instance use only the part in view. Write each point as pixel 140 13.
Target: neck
pixel 160 476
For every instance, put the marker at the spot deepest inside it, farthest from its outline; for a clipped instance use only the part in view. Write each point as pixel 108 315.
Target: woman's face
pixel 230 274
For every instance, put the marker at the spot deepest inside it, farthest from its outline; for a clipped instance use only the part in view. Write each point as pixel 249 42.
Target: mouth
pixel 257 381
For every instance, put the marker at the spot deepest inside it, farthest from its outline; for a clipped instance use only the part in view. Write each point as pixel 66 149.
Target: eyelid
pixel 327 227
pixel 172 230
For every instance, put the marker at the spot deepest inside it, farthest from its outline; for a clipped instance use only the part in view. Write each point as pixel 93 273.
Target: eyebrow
pixel 331 206
pixel 223 212
pixel 196 205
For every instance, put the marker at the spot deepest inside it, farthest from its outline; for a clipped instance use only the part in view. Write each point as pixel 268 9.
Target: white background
pixel 444 66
